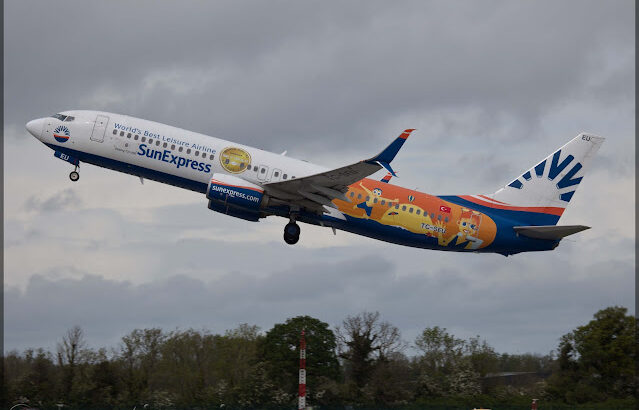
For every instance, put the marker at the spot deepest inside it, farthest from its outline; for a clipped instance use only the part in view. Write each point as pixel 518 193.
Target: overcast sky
pixel 491 86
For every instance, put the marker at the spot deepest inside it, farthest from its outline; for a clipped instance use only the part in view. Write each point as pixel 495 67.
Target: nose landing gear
pixel 74 175
pixel 292 233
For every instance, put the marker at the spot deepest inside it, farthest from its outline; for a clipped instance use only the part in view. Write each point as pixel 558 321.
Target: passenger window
pixel 397 206
pixel 410 210
pixel 165 145
pixel 263 170
pixel 446 219
pixel 172 146
pixel 375 200
pixel 157 142
pixel 439 217
pixel 204 155
pixel 352 194
pixel 383 202
pixel 359 196
pixel 136 137
pixel 432 215
pixel 115 132
pixel 226 161
pixel 276 174
pixel 211 157
pixel 197 153
pixel 128 135
pixel 418 212
pixel 284 176
pixel 188 151
pixel 180 149
pixel 241 166
pixel 368 198
pixel 143 139
pixel 122 133
pixel 150 141
pixel 404 208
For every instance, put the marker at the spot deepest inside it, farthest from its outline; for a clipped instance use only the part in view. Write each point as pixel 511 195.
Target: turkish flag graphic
pixel 443 208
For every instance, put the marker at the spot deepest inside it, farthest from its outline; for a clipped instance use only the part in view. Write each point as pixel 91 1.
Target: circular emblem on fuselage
pixel 61 133
pixel 234 160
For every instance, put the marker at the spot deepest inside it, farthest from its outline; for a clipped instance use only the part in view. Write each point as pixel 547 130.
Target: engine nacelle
pixel 235 197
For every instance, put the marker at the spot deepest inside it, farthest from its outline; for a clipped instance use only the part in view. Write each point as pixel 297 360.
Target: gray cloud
pixel 315 71
pixel 63 200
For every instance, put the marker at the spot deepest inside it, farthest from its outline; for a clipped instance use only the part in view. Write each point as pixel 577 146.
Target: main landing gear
pixel 74 175
pixel 292 232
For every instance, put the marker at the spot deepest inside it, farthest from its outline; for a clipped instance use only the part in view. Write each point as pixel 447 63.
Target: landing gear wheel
pixel 74 176
pixel 291 233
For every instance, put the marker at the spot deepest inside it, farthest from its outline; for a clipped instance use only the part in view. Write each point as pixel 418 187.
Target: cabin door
pixel 99 128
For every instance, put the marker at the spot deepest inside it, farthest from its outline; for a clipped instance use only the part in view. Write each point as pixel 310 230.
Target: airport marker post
pixel 302 391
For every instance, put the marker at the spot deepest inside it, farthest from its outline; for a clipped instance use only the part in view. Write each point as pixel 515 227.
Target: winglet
pixel 387 178
pixel 385 157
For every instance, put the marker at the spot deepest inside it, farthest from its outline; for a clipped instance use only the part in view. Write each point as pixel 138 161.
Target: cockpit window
pixel 69 118
pixel 61 117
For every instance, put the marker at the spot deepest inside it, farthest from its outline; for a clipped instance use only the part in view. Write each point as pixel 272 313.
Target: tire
pixel 291 240
pixel 292 229
pixel 74 176
pixel 291 233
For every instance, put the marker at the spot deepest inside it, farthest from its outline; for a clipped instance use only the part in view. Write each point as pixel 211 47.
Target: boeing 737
pixel 251 184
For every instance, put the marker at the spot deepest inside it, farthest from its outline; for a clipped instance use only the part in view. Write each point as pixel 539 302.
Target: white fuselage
pixel 134 144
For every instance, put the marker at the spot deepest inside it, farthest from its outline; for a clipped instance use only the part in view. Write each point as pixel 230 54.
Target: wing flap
pixel 549 232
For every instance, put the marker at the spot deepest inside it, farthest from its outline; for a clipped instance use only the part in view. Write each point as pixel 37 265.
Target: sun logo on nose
pixel 61 134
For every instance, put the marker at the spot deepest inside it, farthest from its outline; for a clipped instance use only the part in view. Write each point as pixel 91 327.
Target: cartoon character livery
pixel 251 184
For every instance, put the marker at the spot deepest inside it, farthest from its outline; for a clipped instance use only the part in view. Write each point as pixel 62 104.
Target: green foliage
pixel 594 369
pixel 450 366
pixel 597 361
pixel 367 345
pixel 280 352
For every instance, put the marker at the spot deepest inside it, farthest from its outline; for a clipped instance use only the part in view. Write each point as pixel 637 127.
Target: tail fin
pixel 549 186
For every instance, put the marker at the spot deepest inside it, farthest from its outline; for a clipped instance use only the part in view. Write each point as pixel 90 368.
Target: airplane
pixel 251 184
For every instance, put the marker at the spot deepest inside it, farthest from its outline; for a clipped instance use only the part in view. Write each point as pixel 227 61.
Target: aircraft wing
pixel 313 192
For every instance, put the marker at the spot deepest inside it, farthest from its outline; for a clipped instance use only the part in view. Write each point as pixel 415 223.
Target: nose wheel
pixel 291 233
pixel 74 175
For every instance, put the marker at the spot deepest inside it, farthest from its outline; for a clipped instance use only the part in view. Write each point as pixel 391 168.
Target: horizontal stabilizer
pixel 550 232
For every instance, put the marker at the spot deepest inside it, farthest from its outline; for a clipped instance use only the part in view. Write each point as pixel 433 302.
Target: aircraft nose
pixel 35 127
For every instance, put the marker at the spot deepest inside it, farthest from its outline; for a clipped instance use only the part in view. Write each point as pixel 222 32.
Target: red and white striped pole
pixel 302 391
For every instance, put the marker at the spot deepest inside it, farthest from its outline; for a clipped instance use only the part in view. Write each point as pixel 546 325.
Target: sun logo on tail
pixel 554 170
pixel 61 134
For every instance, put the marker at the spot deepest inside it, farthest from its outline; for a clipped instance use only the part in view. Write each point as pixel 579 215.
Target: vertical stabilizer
pixel 550 185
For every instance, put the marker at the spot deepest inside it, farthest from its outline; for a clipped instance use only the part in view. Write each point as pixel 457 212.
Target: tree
pixel 441 350
pixel 597 361
pixel 450 366
pixel 364 341
pixel 280 351
pixel 69 357
pixel 482 357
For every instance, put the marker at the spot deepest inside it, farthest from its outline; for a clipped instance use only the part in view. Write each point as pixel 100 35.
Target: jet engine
pixel 235 197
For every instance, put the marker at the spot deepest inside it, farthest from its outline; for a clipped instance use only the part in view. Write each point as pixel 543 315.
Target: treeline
pixel 362 362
